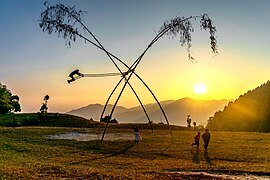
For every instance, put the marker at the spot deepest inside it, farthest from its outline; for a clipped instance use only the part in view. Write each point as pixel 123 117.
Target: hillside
pixel 52 120
pixel 250 112
pixel 176 111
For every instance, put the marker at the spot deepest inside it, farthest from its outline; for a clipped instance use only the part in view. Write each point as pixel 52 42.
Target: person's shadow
pixel 207 158
pixel 195 156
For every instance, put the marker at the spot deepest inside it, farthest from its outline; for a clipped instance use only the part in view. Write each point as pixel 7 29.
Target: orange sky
pixel 34 64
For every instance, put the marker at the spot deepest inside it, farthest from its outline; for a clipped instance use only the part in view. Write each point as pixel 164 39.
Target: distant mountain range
pixel 176 111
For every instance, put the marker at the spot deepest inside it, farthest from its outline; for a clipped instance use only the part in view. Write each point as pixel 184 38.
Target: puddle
pixel 79 136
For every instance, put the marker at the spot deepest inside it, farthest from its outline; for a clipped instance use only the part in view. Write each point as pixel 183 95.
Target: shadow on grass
pixel 109 151
pixel 112 149
pixel 162 152
pixel 207 158
pixel 195 156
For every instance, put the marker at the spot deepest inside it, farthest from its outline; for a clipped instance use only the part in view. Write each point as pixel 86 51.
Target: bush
pixel 14 122
pixel 30 121
pixel 113 121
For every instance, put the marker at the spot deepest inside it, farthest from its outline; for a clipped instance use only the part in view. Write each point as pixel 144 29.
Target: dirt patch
pixel 205 175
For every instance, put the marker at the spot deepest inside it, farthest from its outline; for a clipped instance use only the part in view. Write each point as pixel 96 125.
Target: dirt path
pixel 205 175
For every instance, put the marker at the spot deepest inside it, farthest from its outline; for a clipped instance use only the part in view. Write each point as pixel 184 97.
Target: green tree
pixel 194 125
pixel 188 121
pixel 44 107
pixel 8 102
pixel 105 119
pixel 250 112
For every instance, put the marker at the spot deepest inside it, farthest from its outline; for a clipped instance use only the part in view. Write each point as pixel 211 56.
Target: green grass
pixel 27 153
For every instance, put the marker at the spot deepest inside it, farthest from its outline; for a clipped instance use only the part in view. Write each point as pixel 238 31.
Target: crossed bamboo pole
pixel 129 73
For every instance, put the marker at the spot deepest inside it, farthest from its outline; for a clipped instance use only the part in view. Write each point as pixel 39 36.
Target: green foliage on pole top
pixel 66 21
pixel 62 20
pixel 8 103
pixel 182 26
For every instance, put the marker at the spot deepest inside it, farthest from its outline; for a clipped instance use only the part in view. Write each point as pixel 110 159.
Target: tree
pixel 250 112
pixel 188 121
pixel 44 107
pixel 105 119
pixel 8 103
pixel 113 121
pixel 194 125
pixel 66 22
pixel 200 128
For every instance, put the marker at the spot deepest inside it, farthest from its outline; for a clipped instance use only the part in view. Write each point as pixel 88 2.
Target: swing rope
pixel 102 74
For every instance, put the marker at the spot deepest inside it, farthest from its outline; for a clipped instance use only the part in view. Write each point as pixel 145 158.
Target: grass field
pixel 28 153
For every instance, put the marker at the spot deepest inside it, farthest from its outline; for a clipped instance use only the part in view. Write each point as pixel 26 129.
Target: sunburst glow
pixel 199 88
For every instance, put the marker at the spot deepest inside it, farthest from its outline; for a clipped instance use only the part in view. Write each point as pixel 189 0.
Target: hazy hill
pixel 199 110
pixel 250 112
pixel 94 111
pixel 176 111
pixel 152 106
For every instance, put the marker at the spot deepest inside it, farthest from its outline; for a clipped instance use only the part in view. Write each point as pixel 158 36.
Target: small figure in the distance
pixel 197 140
pixel 71 75
pixel 137 134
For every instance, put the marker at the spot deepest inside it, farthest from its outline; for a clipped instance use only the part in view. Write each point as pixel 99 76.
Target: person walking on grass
pixel 137 134
pixel 206 138
pixel 197 140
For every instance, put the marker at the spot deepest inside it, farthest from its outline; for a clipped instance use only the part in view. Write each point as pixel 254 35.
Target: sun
pixel 200 88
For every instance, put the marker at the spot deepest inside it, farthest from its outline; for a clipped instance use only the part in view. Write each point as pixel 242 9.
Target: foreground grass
pixel 27 153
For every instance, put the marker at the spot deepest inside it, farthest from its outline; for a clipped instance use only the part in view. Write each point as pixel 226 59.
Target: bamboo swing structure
pixel 63 20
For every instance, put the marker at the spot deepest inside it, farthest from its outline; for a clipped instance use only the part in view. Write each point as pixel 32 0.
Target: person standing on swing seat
pixel 71 75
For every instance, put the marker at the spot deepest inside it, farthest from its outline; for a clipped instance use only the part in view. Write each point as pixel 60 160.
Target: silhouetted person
pixel 197 140
pixel 137 134
pixel 71 75
pixel 206 139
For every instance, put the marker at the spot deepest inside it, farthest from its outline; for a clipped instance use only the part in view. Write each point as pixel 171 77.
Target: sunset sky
pixel 33 63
